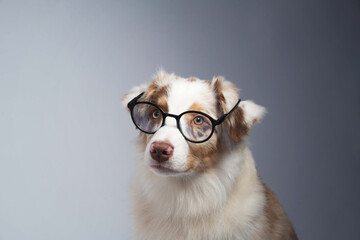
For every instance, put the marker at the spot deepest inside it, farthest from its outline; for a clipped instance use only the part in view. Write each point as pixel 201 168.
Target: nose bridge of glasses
pixel 170 120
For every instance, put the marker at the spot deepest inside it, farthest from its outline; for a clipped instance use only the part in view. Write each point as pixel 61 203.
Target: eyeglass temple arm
pixel 223 117
pixel 132 102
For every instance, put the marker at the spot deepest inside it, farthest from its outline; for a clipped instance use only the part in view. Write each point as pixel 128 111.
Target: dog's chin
pixel 162 170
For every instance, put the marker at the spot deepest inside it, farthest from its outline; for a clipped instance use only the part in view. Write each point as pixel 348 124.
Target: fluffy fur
pixel 207 190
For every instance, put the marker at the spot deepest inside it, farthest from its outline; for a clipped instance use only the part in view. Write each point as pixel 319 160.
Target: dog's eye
pixel 156 114
pixel 198 120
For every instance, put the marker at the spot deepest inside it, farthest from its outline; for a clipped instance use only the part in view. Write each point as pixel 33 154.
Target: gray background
pixel 66 153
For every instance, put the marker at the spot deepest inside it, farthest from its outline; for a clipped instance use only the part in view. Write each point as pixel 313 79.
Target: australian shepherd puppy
pixel 195 175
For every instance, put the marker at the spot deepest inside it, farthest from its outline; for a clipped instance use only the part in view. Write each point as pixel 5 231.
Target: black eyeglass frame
pixel 214 122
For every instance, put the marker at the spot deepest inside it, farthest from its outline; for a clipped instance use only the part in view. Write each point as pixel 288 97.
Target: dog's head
pixel 180 143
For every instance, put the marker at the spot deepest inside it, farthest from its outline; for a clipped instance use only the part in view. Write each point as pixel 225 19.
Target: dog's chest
pixel 159 221
pixel 205 228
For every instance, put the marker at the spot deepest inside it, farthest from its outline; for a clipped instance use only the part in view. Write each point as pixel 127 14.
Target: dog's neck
pixel 196 195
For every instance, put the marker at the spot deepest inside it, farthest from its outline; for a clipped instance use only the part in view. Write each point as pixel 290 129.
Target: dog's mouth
pixel 160 169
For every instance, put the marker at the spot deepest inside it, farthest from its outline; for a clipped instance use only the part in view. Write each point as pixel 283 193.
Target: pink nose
pixel 161 151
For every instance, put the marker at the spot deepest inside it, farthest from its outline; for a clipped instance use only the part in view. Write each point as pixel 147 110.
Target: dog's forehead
pixel 183 93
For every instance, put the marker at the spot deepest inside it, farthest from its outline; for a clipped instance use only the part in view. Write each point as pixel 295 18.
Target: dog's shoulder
pixel 278 224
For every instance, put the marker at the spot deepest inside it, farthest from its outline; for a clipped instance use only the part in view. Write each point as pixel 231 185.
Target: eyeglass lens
pixel 147 117
pixel 195 126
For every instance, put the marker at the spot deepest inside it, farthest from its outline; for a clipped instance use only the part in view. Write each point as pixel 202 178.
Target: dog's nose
pixel 161 151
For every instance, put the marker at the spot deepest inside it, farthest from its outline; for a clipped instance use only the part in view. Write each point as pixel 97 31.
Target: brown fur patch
pixel 162 102
pixel 196 107
pixel 235 120
pixel 191 79
pixel 157 95
pixel 221 101
pixel 238 128
pixel 202 156
pixel 279 227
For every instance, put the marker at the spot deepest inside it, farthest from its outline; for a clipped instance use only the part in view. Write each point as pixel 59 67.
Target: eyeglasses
pixel 195 126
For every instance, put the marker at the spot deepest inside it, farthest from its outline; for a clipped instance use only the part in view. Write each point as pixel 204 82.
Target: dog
pixel 195 176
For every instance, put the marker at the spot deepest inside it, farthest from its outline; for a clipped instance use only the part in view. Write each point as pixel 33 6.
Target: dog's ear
pixel 246 114
pixel 135 91
pixel 253 113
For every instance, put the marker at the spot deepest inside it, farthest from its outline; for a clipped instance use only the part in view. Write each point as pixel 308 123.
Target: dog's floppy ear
pixel 253 113
pixel 246 114
pixel 135 91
